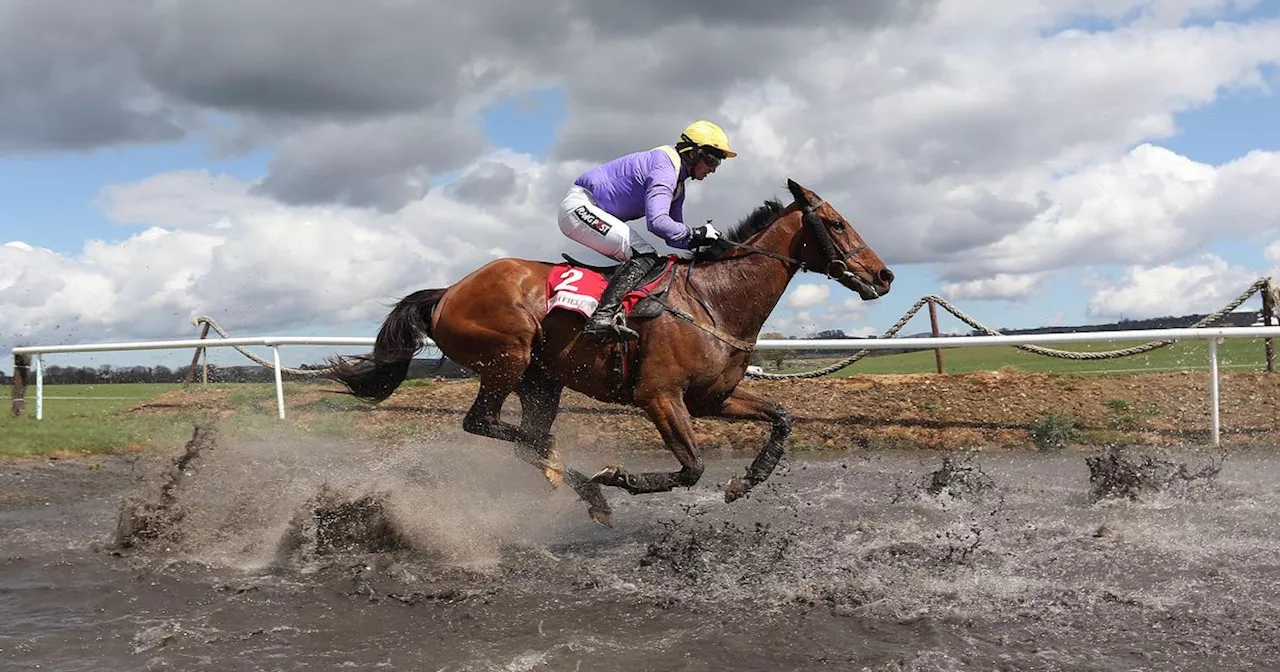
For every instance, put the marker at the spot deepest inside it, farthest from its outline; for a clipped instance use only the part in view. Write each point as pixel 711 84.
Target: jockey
pixel 648 184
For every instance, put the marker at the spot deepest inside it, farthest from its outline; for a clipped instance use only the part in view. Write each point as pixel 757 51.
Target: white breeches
pixel 587 223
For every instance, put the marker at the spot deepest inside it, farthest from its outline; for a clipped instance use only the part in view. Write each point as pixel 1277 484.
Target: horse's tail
pixel 375 376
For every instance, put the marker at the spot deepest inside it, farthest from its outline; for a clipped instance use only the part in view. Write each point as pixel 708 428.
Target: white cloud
pixel 808 295
pixel 1174 290
pixel 791 324
pixel 847 315
pixel 124 290
pixel 1003 286
pixel 1272 254
pixel 1152 206
pixel 183 199
pixel 862 332
pixel 256 264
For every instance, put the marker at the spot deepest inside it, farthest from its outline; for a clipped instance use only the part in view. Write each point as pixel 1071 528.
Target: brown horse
pixel 692 353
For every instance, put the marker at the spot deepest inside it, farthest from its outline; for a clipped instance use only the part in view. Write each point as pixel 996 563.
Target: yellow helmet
pixel 703 133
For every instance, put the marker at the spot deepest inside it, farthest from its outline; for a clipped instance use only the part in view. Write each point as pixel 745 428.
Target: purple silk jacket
pixel 648 183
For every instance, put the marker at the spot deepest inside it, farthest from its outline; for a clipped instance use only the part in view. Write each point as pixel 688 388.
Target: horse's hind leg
pixel 483 418
pixel 669 414
pixel 540 403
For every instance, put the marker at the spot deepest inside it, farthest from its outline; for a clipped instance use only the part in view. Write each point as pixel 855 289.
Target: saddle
pixel 577 286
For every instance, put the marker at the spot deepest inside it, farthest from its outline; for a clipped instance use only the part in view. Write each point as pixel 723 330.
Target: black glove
pixel 703 236
pixel 718 248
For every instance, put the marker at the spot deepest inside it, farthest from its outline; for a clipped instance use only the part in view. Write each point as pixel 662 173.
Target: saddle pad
pixel 579 289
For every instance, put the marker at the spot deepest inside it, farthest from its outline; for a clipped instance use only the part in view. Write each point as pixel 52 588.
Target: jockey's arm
pixel 662 216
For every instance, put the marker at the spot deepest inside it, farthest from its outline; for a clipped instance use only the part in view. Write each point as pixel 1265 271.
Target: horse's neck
pixel 743 291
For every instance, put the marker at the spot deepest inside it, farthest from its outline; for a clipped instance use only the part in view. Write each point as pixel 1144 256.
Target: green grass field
pixel 1234 355
pixel 89 419
pixel 97 418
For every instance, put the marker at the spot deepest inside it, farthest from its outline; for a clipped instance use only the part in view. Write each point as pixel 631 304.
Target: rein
pixel 837 259
pixel 837 269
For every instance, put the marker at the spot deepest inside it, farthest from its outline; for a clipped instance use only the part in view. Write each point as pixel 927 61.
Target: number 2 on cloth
pixel 567 279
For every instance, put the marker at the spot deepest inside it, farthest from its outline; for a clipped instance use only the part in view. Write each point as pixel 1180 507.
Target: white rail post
pixel 1213 386
pixel 39 387
pixel 275 352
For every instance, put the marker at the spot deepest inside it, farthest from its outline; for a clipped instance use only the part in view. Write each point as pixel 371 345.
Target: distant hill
pixel 1237 319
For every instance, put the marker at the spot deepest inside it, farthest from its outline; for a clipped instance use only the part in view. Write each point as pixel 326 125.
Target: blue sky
pixel 50 200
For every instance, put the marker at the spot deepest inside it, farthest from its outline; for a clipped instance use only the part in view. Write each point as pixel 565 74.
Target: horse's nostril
pixel 886 276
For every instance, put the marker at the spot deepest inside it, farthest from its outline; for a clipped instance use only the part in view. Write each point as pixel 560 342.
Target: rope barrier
pixel 213 324
pixel 1262 284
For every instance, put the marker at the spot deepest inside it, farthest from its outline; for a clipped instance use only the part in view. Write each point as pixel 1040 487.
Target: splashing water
pixel 455 556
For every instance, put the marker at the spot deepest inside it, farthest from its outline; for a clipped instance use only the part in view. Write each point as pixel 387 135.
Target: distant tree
pixel 778 357
pixel 829 334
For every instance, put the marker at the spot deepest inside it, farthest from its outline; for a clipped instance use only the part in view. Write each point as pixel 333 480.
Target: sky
pixel 294 167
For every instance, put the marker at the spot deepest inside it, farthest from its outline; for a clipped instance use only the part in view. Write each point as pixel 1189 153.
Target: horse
pixel 698 324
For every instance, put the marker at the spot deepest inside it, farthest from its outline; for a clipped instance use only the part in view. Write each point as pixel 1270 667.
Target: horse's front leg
pixel 669 414
pixel 744 405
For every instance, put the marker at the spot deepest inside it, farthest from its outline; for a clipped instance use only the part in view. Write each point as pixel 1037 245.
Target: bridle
pixel 837 259
pixel 837 269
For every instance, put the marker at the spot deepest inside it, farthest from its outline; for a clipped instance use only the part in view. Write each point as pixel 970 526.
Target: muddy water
pixel 287 555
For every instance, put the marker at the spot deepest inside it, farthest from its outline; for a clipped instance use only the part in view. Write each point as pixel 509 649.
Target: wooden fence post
pixel 20 364
pixel 933 324
pixel 1268 315
pixel 191 372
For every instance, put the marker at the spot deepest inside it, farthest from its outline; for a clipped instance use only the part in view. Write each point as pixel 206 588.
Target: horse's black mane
pixel 756 221
pixel 750 225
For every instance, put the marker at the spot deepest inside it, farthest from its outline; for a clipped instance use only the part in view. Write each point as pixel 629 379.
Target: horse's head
pixel 831 245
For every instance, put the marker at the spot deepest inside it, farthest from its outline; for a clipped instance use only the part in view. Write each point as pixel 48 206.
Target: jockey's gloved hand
pixel 703 236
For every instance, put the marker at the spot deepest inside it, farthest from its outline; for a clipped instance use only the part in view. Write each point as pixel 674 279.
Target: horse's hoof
pixel 735 490
pixel 603 517
pixel 554 476
pixel 607 476
pixel 552 469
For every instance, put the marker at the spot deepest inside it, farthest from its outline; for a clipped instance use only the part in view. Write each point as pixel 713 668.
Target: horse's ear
pixel 800 193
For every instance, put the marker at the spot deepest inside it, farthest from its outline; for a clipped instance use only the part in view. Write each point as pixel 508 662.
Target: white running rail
pixel 273 342
pixel 1214 335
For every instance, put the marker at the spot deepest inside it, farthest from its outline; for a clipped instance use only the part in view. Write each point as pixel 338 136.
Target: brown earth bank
pixel 998 410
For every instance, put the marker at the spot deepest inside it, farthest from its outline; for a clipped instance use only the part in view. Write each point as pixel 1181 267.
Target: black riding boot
pixel 608 318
